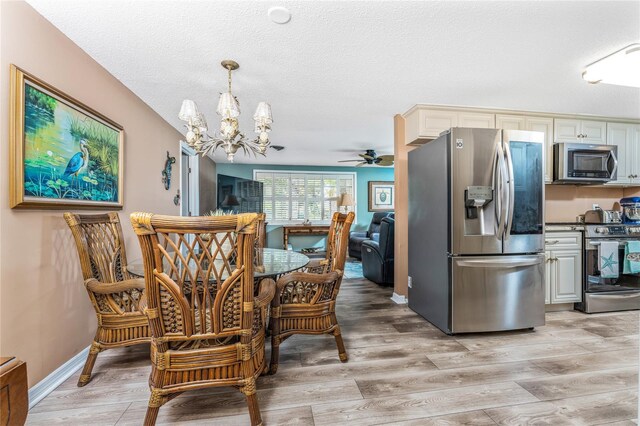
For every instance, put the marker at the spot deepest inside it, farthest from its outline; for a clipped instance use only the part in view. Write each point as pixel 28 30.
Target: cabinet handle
pixel 553 242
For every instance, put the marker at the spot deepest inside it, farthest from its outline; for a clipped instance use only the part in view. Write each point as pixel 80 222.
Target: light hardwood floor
pixel 576 370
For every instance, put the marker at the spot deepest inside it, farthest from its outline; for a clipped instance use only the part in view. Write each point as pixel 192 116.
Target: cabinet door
pixel 476 120
pixel 594 131
pixel 565 130
pixel 621 135
pixel 548 277
pixel 510 122
pixel 567 280
pixel 545 125
pixel 633 151
pixel 434 122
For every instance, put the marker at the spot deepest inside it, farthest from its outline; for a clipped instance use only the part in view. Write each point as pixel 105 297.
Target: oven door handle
pixel 614 296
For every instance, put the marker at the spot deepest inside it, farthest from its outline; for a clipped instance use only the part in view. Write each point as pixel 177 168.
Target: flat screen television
pixel 239 195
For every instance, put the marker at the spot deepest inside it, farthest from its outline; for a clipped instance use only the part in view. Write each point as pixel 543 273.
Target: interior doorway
pixel 189 190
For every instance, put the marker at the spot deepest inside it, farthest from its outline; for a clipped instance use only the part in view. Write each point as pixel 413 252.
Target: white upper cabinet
pixel 536 124
pixel 423 124
pixel 622 136
pixel 510 122
pixel 579 131
pixel 476 120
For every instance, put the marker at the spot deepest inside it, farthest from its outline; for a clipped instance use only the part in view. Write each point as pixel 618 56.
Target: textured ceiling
pixel 338 71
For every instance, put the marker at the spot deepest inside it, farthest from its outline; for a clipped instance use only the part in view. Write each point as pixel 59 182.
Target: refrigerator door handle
pixel 489 263
pixel 511 185
pixel 499 179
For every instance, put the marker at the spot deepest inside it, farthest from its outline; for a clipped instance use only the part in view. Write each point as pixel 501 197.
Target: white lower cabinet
pixel 563 268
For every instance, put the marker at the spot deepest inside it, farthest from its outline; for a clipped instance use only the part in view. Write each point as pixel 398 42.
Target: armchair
pixel 116 296
pixel 305 303
pixel 377 256
pixel 356 238
pixel 207 328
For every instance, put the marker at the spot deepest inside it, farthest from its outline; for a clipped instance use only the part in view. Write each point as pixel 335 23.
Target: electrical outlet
pixel 410 283
pixel 595 206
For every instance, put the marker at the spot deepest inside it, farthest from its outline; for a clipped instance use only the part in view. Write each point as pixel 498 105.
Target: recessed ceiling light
pixel 621 68
pixel 279 14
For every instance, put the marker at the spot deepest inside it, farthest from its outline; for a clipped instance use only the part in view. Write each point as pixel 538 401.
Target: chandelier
pixel 229 136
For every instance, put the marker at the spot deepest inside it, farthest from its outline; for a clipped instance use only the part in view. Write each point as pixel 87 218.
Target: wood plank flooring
pixel 578 369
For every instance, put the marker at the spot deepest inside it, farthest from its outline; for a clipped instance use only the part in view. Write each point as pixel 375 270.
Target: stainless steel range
pixel 611 290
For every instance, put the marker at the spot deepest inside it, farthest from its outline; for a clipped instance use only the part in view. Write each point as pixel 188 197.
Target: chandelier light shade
pixel 228 137
pixel 188 111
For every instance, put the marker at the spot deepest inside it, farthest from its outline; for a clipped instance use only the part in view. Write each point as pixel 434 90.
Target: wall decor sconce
pixel 166 173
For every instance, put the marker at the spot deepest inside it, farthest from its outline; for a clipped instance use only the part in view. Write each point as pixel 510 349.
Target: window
pixel 296 196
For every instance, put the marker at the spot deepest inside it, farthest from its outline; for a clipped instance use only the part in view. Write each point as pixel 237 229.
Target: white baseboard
pixel 47 385
pixel 399 299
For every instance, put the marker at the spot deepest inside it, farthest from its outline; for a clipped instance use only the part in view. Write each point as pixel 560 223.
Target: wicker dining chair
pixel 207 328
pixel 115 295
pixel 305 302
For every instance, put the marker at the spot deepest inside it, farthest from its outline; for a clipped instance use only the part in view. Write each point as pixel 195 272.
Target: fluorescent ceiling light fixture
pixel 621 68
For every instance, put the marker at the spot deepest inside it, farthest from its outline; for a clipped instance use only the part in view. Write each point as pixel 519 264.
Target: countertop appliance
pixel 608 294
pixel 630 210
pixel 579 163
pixel 603 216
pixel 476 230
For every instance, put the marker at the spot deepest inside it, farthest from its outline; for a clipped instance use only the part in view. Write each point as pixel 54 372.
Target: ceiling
pixel 338 71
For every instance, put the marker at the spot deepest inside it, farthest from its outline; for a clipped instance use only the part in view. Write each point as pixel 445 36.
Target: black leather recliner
pixel 356 238
pixel 377 256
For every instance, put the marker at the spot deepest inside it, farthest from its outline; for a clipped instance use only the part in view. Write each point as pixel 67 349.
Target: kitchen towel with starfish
pixel 608 259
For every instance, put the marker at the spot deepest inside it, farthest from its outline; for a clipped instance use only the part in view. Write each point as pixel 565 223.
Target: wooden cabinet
pixel 626 137
pixel 423 125
pixel 536 124
pixel 579 131
pixel 563 267
pixel 14 395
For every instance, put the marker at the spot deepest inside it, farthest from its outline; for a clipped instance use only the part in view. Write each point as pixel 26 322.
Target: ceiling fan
pixel 370 157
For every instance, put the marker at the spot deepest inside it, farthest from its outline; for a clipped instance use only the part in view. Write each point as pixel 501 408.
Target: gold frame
pixel 372 185
pixel 17 198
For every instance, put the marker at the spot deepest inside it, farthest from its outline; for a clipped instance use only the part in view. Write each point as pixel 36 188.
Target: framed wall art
pixel 381 196
pixel 63 154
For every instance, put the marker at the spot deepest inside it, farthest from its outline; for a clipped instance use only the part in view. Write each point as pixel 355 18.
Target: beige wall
pixel 401 177
pixel 45 316
pixel 565 202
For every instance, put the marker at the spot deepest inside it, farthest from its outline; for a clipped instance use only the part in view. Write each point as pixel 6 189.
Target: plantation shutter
pixel 296 196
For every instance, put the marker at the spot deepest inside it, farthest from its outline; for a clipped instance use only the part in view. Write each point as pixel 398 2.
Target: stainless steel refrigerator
pixel 476 230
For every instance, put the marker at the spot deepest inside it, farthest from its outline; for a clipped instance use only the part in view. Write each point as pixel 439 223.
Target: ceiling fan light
pixel 621 68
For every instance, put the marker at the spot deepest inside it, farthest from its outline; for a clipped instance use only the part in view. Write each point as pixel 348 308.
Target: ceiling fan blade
pixel 361 164
pixel 367 157
pixel 347 161
pixel 385 163
pixel 386 157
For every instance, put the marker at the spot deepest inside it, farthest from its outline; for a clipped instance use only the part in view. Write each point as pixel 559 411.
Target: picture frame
pixel 381 196
pixel 62 153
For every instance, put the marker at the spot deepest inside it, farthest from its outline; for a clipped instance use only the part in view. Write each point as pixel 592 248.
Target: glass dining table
pixel 270 263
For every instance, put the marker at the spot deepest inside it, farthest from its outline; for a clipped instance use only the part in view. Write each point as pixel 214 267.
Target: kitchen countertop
pixel 563 226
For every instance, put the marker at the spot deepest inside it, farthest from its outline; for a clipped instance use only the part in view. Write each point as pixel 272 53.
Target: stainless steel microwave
pixel 579 163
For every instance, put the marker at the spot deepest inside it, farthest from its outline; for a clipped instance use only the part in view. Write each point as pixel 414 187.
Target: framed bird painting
pixel 63 153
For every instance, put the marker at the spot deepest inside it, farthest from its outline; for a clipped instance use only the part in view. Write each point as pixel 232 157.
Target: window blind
pixel 297 196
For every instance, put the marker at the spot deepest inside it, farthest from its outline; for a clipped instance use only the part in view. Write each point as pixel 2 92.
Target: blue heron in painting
pixel 79 161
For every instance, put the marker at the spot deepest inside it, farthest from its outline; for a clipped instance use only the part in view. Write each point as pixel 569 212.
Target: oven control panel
pixel 612 231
